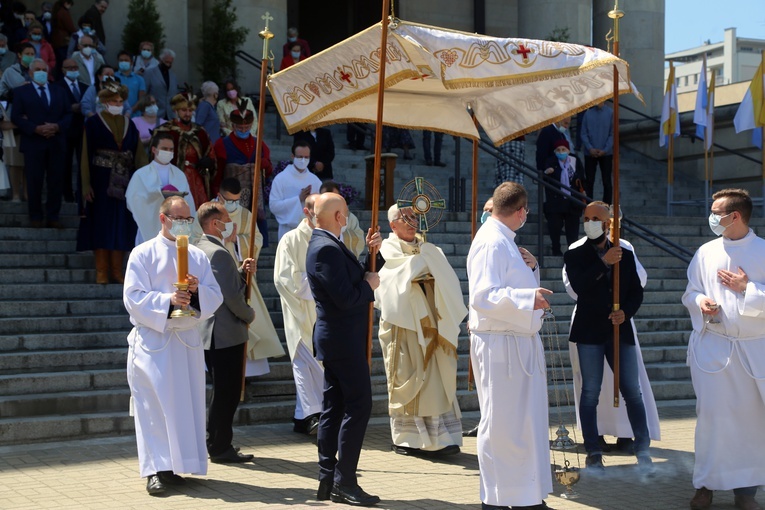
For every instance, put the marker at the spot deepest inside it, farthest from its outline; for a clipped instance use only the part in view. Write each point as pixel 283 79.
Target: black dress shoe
pixel 313 425
pixel 484 506
pixel 231 456
pixel 440 163
pixel 471 433
pixel 170 478
pixel 352 496
pixel 446 451
pixel 405 450
pixel 308 426
pixel 604 447
pixel 626 445
pixel 154 486
pixel 325 490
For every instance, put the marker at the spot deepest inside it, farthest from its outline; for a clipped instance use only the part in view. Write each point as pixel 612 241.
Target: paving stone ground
pixel 103 474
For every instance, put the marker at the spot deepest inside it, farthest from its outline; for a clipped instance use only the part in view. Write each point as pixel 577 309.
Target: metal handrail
pixel 258 64
pixel 255 62
pixel 632 226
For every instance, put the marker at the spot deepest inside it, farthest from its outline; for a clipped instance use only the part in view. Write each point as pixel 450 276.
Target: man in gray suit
pixel 162 83
pixel 224 334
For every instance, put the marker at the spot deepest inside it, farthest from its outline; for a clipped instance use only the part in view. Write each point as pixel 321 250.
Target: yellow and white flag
pixel 669 124
pixel 751 111
pixel 704 114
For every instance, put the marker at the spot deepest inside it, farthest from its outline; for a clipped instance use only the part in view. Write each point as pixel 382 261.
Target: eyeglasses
pixel 526 209
pixel 185 221
pixel 722 213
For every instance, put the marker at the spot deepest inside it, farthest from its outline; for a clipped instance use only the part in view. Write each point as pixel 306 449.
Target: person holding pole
pixel 590 269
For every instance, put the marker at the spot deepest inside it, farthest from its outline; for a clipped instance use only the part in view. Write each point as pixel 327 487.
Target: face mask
pixel 106 78
pixel 295 54
pixel 593 229
pixel 40 77
pixel 146 54
pixel 562 129
pixel 26 60
pixel 46 16
pixel 73 75
pixel 151 110
pixel 242 134
pixel 300 163
pixel 114 110
pixel 124 66
pixel 485 216
pixel 180 228
pixel 87 30
pixel 3 50
pixel 232 93
pixel 714 223
pixel 228 230
pixel 164 157
pixel 87 51
pixel 232 206
pixel 292 39
pixel 561 155
pixel 344 227
pixel 37 37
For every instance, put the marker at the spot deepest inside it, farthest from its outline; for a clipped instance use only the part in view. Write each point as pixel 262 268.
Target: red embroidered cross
pixel 522 50
pixel 345 76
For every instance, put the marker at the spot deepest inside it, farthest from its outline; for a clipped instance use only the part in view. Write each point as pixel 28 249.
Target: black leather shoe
pixel 605 447
pixel 352 496
pixel 594 464
pixel 471 433
pixel 325 490
pixel 170 478
pixel 308 426
pixel 484 506
pixel 446 451
pixel 313 425
pixel 405 450
pixel 231 456
pixel 154 486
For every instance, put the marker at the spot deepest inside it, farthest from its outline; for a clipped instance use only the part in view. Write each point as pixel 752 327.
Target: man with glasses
pixel 590 270
pixel 506 306
pixel 725 297
pixel 165 358
pixel 421 309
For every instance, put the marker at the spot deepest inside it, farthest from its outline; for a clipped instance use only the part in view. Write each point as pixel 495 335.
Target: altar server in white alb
pixel 165 366
pixel 506 306
pixel 353 237
pixel 726 353
pixel 290 188
pixel 145 192
pixel 421 309
pixel 299 312
pixel 613 421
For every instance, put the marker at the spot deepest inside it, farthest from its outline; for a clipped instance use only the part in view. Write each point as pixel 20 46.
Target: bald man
pixel 343 289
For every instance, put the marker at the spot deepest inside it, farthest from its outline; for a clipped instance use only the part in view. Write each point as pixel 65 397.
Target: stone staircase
pixel 62 337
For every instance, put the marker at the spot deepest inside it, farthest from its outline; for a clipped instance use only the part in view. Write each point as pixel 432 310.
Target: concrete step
pixel 47 291
pixel 71 402
pixel 62 360
pixel 46 260
pixel 63 308
pixel 58 342
pixel 58 382
pixel 45 275
pixel 74 323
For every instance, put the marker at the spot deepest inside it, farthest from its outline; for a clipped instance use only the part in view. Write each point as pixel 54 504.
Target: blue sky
pixel 690 22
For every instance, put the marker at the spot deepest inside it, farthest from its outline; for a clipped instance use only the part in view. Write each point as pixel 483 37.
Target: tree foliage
pixel 559 34
pixel 221 39
pixel 143 24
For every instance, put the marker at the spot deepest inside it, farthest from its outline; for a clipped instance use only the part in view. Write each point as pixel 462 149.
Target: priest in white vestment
pixel 290 188
pixel 299 312
pixel 144 193
pixel 506 306
pixel 726 353
pixel 165 364
pixel 421 309
pixel 353 237
pixel 613 421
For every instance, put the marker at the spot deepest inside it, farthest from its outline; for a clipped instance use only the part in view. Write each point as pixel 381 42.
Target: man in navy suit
pixel 74 90
pixel 343 290
pixel 42 114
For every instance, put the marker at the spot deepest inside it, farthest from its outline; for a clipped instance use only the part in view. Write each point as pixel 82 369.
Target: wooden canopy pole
pixel 266 35
pixel 473 226
pixel 377 160
pixel 616 14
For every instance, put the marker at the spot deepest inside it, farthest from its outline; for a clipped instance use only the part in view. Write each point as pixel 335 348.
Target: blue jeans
pixel 591 365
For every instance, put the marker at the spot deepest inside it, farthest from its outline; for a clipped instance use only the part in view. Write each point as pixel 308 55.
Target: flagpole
pixel 377 160
pixel 473 227
pixel 671 146
pixel 616 14
pixel 762 140
pixel 707 179
pixel 266 35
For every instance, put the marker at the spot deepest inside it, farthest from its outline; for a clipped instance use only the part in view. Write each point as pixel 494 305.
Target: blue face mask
pixel 485 216
pixel 36 37
pixel 40 77
pixel 561 155
pixel 124 66
pixel 146 54
pixel 73 75
pixel 242 134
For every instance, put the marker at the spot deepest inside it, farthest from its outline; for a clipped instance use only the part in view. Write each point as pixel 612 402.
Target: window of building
pixel 695 79
pixel 746 48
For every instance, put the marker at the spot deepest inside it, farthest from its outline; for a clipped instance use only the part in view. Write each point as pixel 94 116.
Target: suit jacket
pixel 98 61
pixel 336 278
pixel 592 281
pixel 322 149
pixel 230 322
pixel 557 202
pixel 162 92
pixel 29 111
pixel 78 120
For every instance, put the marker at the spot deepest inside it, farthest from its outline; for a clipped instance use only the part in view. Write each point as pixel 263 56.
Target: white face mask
pixel 151 110
pixel 593 229
pixel 344 227
pixel 714 223
pixel 164 157
pixel 228 230
pixel 300 163
pixel 180 228
pixel 114 110
pixel 232 205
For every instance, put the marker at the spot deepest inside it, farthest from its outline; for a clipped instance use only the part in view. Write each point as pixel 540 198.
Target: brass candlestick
pixel 182 245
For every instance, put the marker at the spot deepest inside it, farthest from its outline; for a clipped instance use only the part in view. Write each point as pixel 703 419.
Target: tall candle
pixel 182 243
